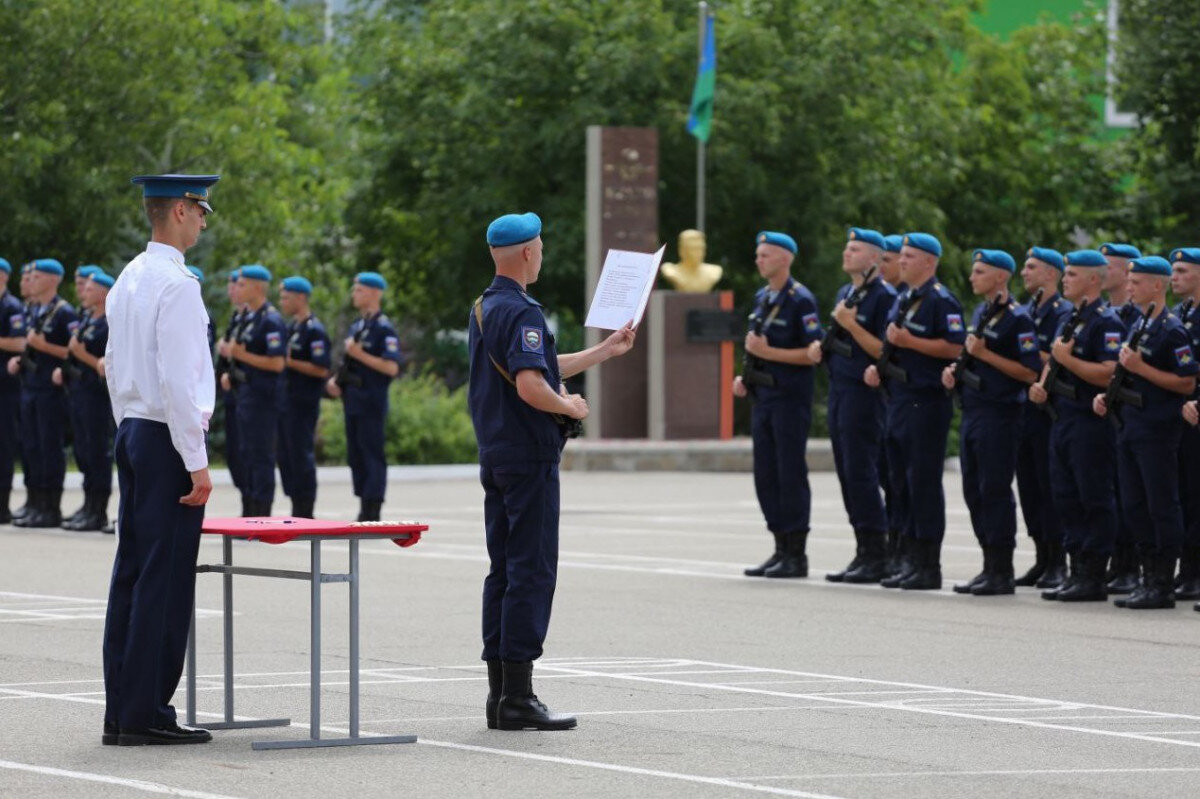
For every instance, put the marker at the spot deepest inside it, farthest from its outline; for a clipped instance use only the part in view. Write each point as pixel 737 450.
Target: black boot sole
pixel 520 726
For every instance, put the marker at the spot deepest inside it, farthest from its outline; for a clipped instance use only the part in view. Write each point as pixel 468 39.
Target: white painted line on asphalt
pixel 124 782
pixel 994 773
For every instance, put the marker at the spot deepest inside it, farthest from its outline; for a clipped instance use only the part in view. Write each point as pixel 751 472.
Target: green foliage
pixel 427 423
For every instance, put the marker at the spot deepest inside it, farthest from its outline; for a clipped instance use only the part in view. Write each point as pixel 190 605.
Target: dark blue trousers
pixel 44 422
pixel 92 425
pixel 365 453
pixel 780 430
pixel 1147 464
pixel 233 444
pixel 917 428
pixel 10 441
pixel 856 430
pixel 1033 474
pixel 988 455
pixel 257 420
pixel 1082 462
pixel 153 579
pixel 520 511
pixel 1189 485
pixel 296 451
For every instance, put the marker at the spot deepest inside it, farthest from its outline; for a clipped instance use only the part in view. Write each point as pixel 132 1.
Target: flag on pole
pixel 700 117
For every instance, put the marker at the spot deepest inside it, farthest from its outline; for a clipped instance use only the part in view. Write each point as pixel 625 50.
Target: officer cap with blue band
pixel 1085 258
pixel 865 235
pixel 1151 265
pixel 511 229
pixel 191 187
pixel 893 243
pixel 778 239
pixel 1187 255
pixel 374 280
pixel 255 272
pixel 5 267
pixel 87 271
pixel 195 270
pixel 47 265
pixel 1117 250
pixel 924 242
pixel 1047 256
pixel 997 258
pixel 297 284
pixel 102 278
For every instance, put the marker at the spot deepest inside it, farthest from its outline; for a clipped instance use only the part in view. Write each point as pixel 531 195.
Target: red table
pixel 279 530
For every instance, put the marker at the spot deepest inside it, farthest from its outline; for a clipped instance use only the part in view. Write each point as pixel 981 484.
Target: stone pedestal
pixel 688 392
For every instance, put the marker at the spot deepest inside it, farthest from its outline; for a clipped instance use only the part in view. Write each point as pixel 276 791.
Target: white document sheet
pixel 624 288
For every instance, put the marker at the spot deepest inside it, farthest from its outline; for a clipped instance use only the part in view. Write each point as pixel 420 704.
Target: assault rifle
pixel 961 367
pixel 833 342
pixel 1052 384
pixel 1118 393
pixel 888 370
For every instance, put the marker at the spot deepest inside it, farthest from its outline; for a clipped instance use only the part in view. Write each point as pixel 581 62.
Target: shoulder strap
pixel 478 308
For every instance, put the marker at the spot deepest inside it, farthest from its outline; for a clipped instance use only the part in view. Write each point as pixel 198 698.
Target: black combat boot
pixel 999 579
pixel 1057 573
pixel 1159 581
pixel 965 588
pixel 519 707
pixel 43 510
pixel 247 506
pixel 928 574
pixel 1123 573
pixel 74 517
pixel 794 562
pixel 837 577
pixel 370 509
pixel 906 563
pixel 759 570
pixel 1087 579
pixel 874 562
pixel 1143 584
pixel 53 509
pixel 1187 585
pixel 1030 578
pixel 23 511
pixel 84 515
pixel 6 515
pixel 893 552
pixel 32 506
pixel 302 507
pixel 495 688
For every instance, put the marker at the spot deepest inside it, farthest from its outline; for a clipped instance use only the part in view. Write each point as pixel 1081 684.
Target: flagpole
pixel 700 143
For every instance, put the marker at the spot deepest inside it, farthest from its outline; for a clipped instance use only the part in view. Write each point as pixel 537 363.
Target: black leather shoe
pixel 163 736
pixel 111 733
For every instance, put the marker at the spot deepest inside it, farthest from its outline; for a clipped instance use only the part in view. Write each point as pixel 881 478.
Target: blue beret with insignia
pixel 1085 258
pixel 1120 250
pixel 1047 256
pixel 48 265
pixel 893 243
pixel 872 237
pixel 103 278
pixel 87 271
pixel 374 280
pixel 925 242
pixel 195 270
pixel 192 187
pixel 513 229
pixel 5 266
pixel 298 284
pixel 778 239
pixel 1151 265
pixel 255 272
pixel 997 258
pixel 1188 255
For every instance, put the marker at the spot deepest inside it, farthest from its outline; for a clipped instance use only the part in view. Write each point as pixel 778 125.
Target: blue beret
pixel 103 278
pixel 511 229
pixel 1188 255
pixel 195 270
pixel 778 239
pixel 1085 258
pixel 1046 255
pixel 255 272
pixel 5 266
pixel 374 280
pixel 1151 265
pixel 193 187
pixel 48 265
pixel 1120 250
pixel 893 243
pixel 298 284
pixel 87 271
pixel 872 237
pixel 234 275
pixel 923 241
pixel 997 258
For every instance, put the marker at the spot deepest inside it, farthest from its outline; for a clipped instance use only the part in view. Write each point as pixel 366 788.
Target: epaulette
pixel 531 300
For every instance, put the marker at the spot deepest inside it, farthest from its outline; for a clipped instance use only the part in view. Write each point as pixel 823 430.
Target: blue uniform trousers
pixel 365 452
pixel 1147 463
pixel 988 455
pixel 296 456
pixel 257 419
pixel 92 426
pixel 917 428
pixel 233 444
pixel 520 509
pixel 1189 484
pixel 1082 462
pixel 44 424
pixel 153 579
pixel 1033 474
pixel 856 430
pixel 10 442
pixel 780 430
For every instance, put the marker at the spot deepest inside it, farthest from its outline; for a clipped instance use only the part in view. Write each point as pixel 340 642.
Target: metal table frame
pixel 315 577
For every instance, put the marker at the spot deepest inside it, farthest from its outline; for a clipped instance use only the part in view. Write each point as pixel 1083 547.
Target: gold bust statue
pixel 691 274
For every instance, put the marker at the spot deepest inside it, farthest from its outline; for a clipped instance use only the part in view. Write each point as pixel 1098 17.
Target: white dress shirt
pixel 157 362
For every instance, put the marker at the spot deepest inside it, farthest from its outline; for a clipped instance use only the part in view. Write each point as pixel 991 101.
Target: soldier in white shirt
pixel 160 378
